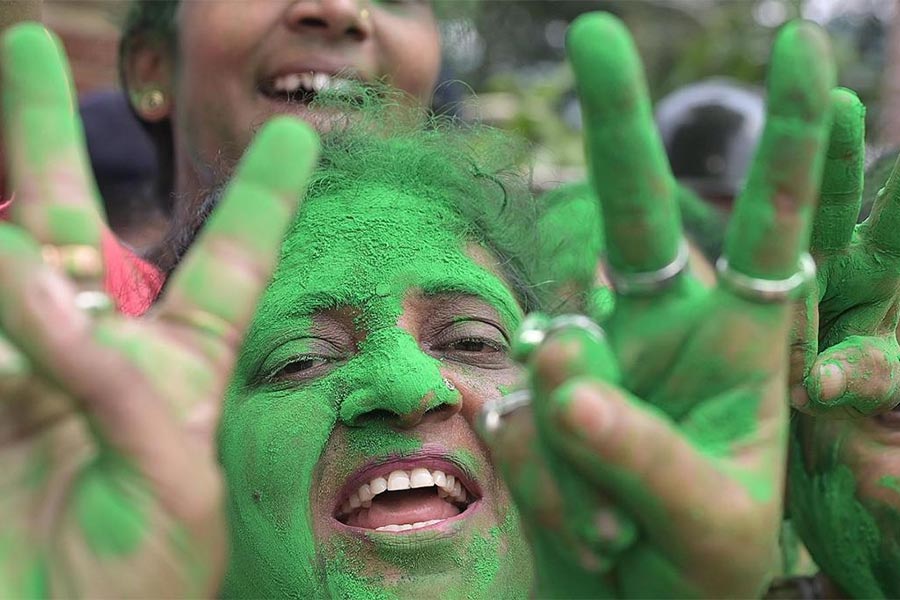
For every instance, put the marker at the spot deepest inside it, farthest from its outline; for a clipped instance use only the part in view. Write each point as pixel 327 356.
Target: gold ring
pixel 81 262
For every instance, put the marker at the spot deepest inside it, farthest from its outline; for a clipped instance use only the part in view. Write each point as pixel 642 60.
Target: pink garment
pixel 132 282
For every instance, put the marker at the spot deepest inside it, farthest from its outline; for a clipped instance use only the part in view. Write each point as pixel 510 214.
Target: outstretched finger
pixel 642 460
pixel 771 221
pixel 215 290
pixel 626 159
pixel 842 177
pixel 882 228
pixel 56 198
pixel 858 377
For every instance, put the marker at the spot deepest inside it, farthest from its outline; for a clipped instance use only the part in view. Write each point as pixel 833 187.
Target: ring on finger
pixel 81 262
pixel 94 302
pixel 650 282
pixel 537 328
pixel 767 291
pixel 491 416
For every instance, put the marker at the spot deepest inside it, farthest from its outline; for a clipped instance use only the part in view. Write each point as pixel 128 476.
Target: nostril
pixel 441 412
pixel 356 33
pixel 313 22
pixel 372 417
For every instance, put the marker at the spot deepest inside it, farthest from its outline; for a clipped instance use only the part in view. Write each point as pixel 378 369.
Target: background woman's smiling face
pixel 234 66
pixel 382 334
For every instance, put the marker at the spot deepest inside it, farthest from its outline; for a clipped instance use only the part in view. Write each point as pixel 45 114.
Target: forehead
pixel 368 247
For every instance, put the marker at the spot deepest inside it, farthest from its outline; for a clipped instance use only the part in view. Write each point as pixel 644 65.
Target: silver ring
pixel 94 302
pixel 650 282
pixel 491 416
pixel 537 329
pixel 767 290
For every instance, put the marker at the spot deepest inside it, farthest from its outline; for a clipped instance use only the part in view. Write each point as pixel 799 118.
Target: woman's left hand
pixel 652 462
pixel 845 358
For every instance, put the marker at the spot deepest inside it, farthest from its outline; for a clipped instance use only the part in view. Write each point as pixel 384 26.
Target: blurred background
pixel 505 60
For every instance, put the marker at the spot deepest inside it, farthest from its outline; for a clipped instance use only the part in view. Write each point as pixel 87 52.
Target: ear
pixel 147 73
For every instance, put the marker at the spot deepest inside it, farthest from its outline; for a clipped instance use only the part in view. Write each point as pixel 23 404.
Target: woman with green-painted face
pixel 203 76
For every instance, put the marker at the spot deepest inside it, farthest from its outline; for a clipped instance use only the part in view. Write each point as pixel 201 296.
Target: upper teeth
pixel 447 485
pixel 316 82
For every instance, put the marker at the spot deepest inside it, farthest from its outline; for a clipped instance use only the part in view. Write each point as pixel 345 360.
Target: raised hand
pixel 110 481
pixel 688 441
pixel 845 358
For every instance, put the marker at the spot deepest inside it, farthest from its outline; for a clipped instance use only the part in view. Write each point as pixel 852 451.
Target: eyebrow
pixel 508 309
pixel 306 305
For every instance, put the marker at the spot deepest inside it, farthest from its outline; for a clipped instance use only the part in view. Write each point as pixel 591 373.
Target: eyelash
pixel 289 368
pixel 492 344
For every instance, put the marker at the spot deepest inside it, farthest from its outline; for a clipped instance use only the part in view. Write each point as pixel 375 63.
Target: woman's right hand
pixel 677 420
pixel 110 481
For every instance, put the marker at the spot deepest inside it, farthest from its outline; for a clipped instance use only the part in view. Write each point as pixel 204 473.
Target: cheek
pixel 478 386
pixel 270 445
pixel 411 55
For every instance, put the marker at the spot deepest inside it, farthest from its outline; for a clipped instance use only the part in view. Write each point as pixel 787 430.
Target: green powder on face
pixel 380 440
pixel 110 508
pixel 365 250
pixel 343 574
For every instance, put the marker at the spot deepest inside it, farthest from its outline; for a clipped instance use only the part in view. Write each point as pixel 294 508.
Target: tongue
pixel 400 508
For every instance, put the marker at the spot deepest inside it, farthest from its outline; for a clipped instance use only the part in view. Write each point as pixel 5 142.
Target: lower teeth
pixel 408 526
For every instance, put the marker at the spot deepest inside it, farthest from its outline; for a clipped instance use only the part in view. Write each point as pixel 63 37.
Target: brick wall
pixel 90 33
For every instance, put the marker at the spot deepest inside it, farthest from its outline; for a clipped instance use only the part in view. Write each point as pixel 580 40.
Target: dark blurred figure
pixel 124 164
pixel 710 130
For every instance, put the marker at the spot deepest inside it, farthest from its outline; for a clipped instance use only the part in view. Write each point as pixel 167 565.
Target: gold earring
pixel 364 15
pixel 152 101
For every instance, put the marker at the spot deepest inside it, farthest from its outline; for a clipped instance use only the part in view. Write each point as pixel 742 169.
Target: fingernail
pixel 832 382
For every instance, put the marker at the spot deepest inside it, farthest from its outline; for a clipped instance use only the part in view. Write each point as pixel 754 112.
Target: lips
pixel 404 495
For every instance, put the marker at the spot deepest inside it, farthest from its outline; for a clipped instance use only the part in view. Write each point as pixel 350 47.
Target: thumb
pixel 858 377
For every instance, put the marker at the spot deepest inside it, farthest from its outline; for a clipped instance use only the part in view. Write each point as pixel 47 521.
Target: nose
pixel 399 383
pixel 335 19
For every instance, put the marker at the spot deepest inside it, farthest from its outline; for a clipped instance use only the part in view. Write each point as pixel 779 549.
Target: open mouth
pixel 406 495
pixel 303 88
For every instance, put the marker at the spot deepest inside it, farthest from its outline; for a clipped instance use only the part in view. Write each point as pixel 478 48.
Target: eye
pixel 301 365
pixel 301 360
pixel 472 342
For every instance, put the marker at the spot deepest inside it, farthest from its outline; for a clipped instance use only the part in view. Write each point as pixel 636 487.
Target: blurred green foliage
pixel 681 41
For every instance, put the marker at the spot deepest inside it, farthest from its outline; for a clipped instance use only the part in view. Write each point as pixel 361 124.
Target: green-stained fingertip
pixel 34 68
pixel 848 123
pixel 282 156
pixel 17 244
pixel 802 72
pixel 601 50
